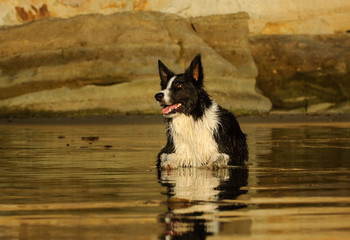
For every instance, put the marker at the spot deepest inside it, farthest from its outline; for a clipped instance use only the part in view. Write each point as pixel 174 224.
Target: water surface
pixel 98 181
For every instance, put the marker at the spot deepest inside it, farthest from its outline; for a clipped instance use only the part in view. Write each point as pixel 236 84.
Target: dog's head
pixel 180 93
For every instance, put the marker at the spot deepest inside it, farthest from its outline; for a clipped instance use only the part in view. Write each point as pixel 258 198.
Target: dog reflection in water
pixel 195 197
pixel 201 135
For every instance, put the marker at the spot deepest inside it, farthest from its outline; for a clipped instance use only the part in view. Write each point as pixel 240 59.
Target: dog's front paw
pixel 218 161
pixel 168 161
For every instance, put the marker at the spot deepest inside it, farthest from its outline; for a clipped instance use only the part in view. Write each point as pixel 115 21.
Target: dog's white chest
pixel 194 140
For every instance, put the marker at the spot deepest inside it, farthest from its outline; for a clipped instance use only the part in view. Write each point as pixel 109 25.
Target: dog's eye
pixel 178 86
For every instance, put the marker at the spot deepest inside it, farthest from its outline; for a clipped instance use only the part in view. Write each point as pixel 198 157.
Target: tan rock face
pixel 108 63
pixel 303 71
pixel 226 34
pixel 266 16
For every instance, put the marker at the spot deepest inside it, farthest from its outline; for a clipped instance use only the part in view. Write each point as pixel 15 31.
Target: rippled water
pixel 56 182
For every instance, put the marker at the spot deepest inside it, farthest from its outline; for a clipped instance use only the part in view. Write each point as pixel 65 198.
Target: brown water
pixel 56 185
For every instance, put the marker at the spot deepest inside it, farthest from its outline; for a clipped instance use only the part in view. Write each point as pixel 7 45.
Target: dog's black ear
pixel 195 70
pixel 164 73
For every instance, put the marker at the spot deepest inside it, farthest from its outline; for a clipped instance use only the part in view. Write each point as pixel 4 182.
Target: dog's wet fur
pixel 199 131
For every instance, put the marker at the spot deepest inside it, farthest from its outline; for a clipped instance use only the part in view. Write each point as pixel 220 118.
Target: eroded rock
pixel 98 64
pixel 298 71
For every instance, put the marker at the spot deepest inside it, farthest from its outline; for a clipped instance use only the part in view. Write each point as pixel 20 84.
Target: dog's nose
pixel 159 96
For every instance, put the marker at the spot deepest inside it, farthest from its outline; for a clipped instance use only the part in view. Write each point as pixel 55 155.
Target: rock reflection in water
pixel 55 185
pixel 195 195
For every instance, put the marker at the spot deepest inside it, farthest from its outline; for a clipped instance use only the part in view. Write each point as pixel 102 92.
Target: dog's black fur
pixel 188 90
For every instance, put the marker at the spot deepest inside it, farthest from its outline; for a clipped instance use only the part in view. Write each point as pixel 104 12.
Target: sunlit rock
pixel 105 64
pixel 270 17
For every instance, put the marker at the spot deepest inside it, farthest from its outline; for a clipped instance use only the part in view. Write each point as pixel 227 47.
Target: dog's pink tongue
pixel 168 109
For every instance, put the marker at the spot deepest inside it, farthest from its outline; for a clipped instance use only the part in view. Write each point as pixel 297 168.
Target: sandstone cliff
pixel 103 64
pixel 266 16
pixel 309 73
pixel 93 62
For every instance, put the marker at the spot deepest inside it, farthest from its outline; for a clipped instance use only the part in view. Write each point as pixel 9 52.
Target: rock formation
pixel 100 56
pixel 266 16
pixel 303 71
pixel 103 64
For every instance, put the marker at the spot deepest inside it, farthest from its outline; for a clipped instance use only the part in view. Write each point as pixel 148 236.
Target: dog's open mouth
pixel 169 109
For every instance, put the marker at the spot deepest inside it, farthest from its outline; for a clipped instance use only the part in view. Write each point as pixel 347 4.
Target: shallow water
pixel 57 184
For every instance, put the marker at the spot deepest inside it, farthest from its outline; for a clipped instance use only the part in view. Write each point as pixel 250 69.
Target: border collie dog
pixel 199 131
